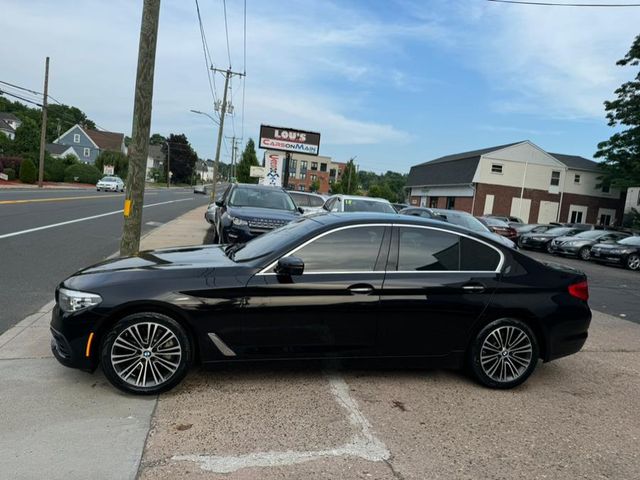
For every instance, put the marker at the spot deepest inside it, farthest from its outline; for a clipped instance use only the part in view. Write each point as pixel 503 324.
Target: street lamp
pixel 214 121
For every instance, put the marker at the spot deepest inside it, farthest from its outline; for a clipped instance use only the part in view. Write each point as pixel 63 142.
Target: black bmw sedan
pixel 625 252
pixel 327 286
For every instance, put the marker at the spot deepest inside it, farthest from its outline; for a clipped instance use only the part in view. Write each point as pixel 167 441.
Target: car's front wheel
pixel 146 353
pixel 633 262
pixel 548 247
pixel 584 253
pixel 503 354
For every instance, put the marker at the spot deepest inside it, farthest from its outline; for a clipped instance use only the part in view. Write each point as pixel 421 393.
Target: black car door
pixel 438 283
pixel 329 310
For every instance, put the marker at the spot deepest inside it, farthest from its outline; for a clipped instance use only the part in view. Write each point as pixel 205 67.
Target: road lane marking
pixel 363 443
pixel 92 217
pixel 60 199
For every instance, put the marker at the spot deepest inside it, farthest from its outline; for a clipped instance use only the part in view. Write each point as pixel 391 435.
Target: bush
pixel 10 172
pixel 28 172
pixel 10 162
pixel 54 168
pixel 82 173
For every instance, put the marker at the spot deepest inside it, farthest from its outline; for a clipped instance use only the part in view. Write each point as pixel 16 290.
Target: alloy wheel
pixel 633 262
pixel 506 354
pixel 585 253
pixel 146 354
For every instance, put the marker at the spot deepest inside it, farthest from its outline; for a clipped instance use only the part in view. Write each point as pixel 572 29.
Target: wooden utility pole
pixel 223 110
pixel 233 156
pixel 43 131
pixel 168 163
pixel 139 148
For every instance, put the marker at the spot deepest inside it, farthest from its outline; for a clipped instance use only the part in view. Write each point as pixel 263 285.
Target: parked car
pixel 203 189
pixel 529 228
pixel 625 252
pixel 246 211
pixel 110 184
pixel 323 287
pixel 355 203
pixel 399 206
pixel 309 202
pixel 467 220
pixel 580 244
pixel 421 212
pixel 542 241
pixel 500 227
pixel 506 219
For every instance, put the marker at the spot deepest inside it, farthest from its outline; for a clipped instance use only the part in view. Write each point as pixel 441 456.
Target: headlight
pixel 74 301
pixel 622 250
pixel 238 221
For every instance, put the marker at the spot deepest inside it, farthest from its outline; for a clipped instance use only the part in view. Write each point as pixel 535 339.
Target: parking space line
pixel 363 443
pixel 92 217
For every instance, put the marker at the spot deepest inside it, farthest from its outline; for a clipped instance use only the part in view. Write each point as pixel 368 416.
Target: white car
pixel 355 203
pixel 110 184
pixel 310 202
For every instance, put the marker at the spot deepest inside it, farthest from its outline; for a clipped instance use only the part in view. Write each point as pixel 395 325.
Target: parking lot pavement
pixel 575 418
pixel 612 289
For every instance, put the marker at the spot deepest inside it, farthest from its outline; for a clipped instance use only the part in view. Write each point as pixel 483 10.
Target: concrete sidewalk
pixel 61 423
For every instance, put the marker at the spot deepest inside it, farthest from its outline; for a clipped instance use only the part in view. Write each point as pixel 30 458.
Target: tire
pixel 144 371
pixel 488 362
pixel 97 189
pixel 547 248
pixel 519 243
pixel 584 253
pixel 633 262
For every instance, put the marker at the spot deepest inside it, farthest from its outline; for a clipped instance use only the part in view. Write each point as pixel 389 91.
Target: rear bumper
pixel 567 337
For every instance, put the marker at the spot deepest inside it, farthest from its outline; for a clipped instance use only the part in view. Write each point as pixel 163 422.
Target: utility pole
pixel 134 199
pixel 233 156
pixel 168 163
pixel 43 132
pixel 223 110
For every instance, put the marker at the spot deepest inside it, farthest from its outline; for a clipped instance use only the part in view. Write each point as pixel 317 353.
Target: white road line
pixel 84 219
pixel 363 444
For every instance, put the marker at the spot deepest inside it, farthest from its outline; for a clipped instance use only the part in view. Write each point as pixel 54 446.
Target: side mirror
pixel 219 203
pixel 301 210
pixel 290 266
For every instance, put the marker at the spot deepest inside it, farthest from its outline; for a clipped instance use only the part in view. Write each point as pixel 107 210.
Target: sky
pixel 392 83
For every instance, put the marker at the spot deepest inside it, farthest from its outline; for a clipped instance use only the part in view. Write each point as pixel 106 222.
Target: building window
pixel 292 174
pixel 76 138
pixel 433 202
pixel 314 165
pixel 576 216
pixel 293 164
pixel 576 178
pixel 303 175
pixel 301 188
pixel 605 188
pixel 496 168
pixel 323 167
pixel 451 203
pixel 303 165
pixel 332 173
pixel 555 178
pixel 314 177
pixel 87 152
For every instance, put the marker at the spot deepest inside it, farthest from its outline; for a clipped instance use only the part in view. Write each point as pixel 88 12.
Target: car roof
pixel 310 194
pixel 361 197
pixel 255 186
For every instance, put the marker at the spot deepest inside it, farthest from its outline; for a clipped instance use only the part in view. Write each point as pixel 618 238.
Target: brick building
pixel 518 179
pixel 305 169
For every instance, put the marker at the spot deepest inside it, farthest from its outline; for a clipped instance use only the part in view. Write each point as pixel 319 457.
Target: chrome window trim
pixel 264 271
pixel 498 269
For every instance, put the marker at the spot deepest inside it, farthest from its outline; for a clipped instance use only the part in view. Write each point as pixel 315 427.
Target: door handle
pixel 361 289
pixel 473 288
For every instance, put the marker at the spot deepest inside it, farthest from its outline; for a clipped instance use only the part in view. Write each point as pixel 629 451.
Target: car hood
pixel 574 239
pixel 257 212
pixel 209 256
pixel 545 236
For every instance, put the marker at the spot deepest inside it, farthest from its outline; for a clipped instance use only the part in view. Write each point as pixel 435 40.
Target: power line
pixel 552 4
pixel 208 62
pixel 226 28
pixel 244 67
pixel 4 92
pixel 21 88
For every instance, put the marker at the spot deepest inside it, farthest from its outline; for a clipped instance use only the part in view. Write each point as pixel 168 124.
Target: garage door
pixel 548 212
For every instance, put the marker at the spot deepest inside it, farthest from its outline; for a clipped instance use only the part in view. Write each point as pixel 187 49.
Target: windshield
pixel 591 234
pixel 466 221
pixel 558 231
pixel 269 242
pixel 261 197
pixel 495 222
pixel 630 241
pixel 364 205
pixel 109 179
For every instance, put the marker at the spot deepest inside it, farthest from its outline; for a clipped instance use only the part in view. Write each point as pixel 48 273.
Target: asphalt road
pixel 612 289
pixel 46 235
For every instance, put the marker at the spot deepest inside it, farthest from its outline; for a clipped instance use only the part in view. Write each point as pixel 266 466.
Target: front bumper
pixel 604 256
pixel 70 334
pixel 534 243
pixel 565 249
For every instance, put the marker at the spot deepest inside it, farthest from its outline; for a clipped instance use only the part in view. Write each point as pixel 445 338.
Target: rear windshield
pixel 363 205
pixel 630 241
pixel 559 230
pixel 466 221
pixel 591 234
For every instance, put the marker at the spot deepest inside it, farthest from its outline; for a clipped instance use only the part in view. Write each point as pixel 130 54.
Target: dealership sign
pixel 273 170
pixel 289 140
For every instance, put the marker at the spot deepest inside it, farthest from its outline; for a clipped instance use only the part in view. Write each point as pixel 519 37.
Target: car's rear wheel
pixel 519 242
pixel 548 247
pixel 633 262
pixel 584 253
pixel 503 354
pixel 146 353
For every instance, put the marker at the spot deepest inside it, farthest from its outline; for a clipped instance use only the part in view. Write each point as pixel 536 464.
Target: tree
pixel 315 185
pixel 157 139
pixel 382 190
pixel 28 172
pixel 118 160
pixel 27 141
pixel 182 158
pixel 348 183
pixel 249 159
pixel 621 152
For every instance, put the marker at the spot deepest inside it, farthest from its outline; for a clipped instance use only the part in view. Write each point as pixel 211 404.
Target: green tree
pixel 621 152
pixel 157 139
pixel 249 159
pixel 182 158
pixel 315 185
pixel 27 141
pixel 382 190
pixel 28 172
pixel 348 183
pixel 119 161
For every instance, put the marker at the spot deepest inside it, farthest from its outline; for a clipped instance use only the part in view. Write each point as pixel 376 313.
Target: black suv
pixel 246 211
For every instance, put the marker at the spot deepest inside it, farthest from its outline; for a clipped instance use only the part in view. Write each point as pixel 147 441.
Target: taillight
pixel 580 290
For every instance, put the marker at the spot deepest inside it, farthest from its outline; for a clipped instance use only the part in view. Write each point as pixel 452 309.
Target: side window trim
pixel 393 268
pixel 265 270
